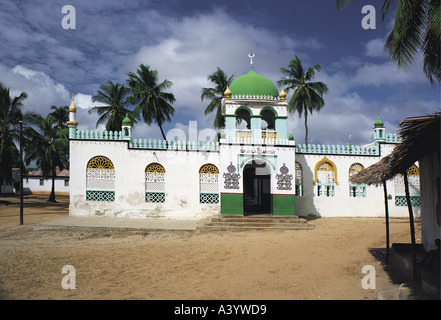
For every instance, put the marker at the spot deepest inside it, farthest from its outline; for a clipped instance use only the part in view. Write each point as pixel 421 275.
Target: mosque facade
pixel 259 169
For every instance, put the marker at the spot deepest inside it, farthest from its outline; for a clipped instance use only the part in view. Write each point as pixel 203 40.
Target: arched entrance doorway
pixel 256 188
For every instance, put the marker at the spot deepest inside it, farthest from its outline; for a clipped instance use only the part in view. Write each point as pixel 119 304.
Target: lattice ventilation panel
pixel 100 179
pixel 414 185
pixel 100 195
pixel 155 181
pixel 209 198
pixel 209 183
pixel 401 201
pixel 155 197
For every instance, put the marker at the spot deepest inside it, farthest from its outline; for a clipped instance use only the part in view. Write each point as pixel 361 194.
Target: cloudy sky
pixel 186 40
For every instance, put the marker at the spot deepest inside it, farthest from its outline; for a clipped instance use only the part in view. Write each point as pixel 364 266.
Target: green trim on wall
pixel 283 205
pixel 232 203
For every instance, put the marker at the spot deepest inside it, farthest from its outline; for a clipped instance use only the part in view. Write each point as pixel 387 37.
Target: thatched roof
pixel 421 137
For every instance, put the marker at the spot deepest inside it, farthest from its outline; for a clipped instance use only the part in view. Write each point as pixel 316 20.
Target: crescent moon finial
pixel 251 56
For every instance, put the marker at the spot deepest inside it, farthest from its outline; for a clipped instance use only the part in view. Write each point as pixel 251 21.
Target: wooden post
pixel 412 227
pixel 21 172
pixel 386 210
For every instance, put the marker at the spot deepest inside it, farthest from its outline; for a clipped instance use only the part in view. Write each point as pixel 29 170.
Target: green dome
pixel 253 84
pixel 378 123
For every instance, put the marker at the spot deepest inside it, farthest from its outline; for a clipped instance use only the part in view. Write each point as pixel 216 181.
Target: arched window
pixel 100 179
pixel 299 179
pixel 154 183
pixel 356 190
pixel 243 124
pixel 325 178
pixel 413 177
pixel 269 115
pixel 209 184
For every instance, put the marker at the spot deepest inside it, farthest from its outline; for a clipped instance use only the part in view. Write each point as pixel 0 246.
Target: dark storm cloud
pixel 186 40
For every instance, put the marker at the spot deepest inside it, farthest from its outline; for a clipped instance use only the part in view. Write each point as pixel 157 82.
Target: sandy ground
pixel 324 263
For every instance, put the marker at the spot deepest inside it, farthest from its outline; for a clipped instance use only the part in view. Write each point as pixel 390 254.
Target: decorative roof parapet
pixel 250 140
pixel 174 145
pixel 346 149
pixel 146 144
pixel 254 97
pixel 337 149
pixel 97 135
pixel 393 138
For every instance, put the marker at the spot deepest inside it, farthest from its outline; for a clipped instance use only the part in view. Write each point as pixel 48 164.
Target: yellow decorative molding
pixel 154 168
pixel 208 169
pixel 356 167
pixel 328 165
pixel 100 162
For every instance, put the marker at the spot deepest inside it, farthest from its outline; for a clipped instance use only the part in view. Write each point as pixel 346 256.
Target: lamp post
pixel 21 172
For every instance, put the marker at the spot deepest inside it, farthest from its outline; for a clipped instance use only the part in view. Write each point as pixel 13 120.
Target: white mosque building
pixel 246 172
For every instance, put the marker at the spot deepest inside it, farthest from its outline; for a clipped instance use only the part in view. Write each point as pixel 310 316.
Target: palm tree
pixel 308 95
pixel 151 102
pixel 49 147
pixel 114 97
pixel 221 81
pixel 417 27
pixel 10 115
pixel 61 116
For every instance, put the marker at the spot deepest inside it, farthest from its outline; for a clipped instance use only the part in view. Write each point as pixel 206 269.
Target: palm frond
pixel 220 81
pixel 406 38
pixel 343 3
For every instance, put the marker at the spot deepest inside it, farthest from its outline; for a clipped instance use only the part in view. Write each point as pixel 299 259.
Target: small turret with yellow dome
pixel 72 123
pixel 227 94
pixel 282 95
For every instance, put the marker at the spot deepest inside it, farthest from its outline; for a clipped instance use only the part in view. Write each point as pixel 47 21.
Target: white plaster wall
pixel 430 200
pixel 181 180
pixel 342 205
pixel 33 183
pixel 240 155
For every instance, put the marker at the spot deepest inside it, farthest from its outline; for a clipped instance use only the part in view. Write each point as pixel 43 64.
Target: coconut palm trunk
pixel 52 194
pixel 306 127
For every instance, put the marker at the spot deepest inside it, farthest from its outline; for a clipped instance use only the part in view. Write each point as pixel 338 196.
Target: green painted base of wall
pixel 232 203
pixel 283 205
